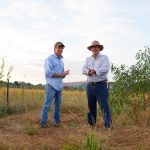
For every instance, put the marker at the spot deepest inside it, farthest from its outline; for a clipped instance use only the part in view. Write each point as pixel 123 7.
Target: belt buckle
pixel 92 83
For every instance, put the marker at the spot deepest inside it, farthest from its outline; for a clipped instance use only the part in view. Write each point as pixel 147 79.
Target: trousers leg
pixel 49 96
pixel 101 92
pixel 57 104
pixel 92 105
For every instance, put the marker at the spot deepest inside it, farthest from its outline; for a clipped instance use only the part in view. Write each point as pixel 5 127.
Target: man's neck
pixel 59 56
pixel 95 56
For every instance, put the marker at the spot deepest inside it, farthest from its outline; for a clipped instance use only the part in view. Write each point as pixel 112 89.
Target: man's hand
pixel 91 72
pixel 61 75
pixel 66 72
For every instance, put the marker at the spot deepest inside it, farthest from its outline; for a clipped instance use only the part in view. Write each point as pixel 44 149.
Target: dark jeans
pixel 98 92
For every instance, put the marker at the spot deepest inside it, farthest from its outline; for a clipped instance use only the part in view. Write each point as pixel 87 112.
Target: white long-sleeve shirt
pixel 101 66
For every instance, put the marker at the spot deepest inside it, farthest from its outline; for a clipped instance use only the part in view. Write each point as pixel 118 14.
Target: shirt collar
pixel 97 56
pixel 58 56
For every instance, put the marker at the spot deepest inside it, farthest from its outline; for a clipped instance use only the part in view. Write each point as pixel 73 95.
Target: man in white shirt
pixel 96 68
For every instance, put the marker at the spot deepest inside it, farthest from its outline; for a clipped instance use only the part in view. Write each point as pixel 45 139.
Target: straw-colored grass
pixel 21 131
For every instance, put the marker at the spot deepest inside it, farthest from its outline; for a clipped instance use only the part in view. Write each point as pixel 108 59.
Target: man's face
pixel 58 50
pixel 95 50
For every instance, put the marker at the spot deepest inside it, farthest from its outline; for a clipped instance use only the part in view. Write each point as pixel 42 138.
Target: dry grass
pixel 21 131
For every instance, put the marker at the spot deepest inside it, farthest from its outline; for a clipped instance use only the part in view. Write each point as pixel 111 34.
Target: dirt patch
pixel 13 133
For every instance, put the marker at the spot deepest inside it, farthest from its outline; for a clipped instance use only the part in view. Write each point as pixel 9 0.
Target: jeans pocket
pixel 48 88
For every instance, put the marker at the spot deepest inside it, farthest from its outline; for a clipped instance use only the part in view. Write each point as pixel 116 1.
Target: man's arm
pixel 84 69
pixel 104 69
pixel 50 73
pixel 48 68
pixel 58 75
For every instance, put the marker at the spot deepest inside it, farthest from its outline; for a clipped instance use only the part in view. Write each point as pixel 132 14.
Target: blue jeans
pixel 51 94
pixel 98 92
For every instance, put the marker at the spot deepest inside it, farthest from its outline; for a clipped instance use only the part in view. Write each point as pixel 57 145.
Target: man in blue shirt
pixel 54 74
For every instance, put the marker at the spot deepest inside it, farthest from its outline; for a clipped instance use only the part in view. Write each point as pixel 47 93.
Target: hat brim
pixel 58 44
pixel 100 46
pixel 61 45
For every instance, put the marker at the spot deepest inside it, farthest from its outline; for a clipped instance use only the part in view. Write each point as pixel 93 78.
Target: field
pixel 19 129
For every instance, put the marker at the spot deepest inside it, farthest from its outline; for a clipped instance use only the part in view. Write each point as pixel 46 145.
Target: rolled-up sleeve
pixel 48 68
pixel 85 69
pixel 104 68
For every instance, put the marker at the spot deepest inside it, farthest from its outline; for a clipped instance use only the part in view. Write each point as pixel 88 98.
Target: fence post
pixel 7 101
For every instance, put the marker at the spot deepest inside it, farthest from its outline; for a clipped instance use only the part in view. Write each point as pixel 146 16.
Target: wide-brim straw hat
pixel 95 43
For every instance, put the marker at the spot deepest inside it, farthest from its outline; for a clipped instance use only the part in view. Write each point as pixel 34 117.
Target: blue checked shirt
pixel 101 66
pixel 54 64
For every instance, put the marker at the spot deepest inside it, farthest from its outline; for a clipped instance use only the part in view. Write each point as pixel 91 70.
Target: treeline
pixel 17 84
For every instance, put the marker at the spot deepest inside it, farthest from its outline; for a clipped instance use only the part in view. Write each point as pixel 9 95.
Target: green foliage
pixel 10 109
pixel 91 142
pixel 131 83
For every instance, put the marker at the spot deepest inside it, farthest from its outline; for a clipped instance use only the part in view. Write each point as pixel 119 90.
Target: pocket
pixel 48 88
pixel 89 66
pixel 55 64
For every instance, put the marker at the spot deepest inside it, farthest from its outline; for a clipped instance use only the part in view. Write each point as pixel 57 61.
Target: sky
pixel 29 29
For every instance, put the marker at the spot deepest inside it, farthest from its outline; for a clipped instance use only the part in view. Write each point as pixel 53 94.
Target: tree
pixel 2 68
pixel 132 82
pixel 16 84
